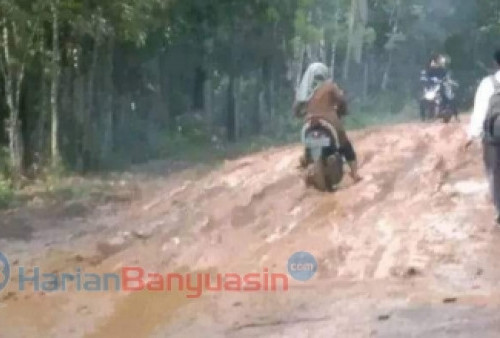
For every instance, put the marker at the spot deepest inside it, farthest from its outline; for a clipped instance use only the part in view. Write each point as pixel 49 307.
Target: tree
pixel 54 91
pixel 92 84
pixel 17 45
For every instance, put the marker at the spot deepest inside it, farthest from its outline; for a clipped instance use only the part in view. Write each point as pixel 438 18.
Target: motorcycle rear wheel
pixel 316 176
pixel 335 169
pixel 325 175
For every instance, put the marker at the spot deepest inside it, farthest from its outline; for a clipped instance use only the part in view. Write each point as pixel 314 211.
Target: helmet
pixel 439 60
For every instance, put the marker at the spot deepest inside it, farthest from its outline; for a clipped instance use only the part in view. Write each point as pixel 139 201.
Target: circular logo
pixel 4 271
pixel 302 266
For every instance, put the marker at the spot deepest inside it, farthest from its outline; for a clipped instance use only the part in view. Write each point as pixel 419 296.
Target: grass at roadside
pixel 6 193
pixel 66 189
pixel 211 153
pixel 366 117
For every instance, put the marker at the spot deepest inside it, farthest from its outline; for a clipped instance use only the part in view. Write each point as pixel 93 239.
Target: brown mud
pixel 410 251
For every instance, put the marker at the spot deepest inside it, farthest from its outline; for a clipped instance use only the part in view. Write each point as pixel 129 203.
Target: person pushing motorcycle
pixel 319 98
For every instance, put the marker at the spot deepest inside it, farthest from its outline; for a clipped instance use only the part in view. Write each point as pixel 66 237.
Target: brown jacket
pixel 328 103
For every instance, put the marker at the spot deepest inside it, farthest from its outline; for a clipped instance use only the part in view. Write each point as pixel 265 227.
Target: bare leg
pixel 304 160
pixel 347 150
pixel 353 165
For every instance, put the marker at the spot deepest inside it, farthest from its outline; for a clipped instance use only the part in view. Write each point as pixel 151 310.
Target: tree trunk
pixel 54 89
pixel 68 126
pixel 88 124
pixel 333 62
pixel 267 79
pixel 231 110
pixel 306 60
pixel 300 63
pixel 256 121
pixel 328 41
pixel 350 40
pixel 394 20
pixel 199 89
pixel 333 59
pixel 107 109
pixel 237 109
pixel 16 146
pixel 164 90
pixel 231 101
pixel 366 81
pixel 386 76
pixel 210 102
pixel 39 140
pixel 79 113
pixel 13 78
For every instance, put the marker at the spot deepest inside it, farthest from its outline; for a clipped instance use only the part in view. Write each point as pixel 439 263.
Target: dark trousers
pixel 347 150
pixel 491 154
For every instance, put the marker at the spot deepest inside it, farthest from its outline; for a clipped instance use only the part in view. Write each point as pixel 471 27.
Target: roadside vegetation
pixel 91 87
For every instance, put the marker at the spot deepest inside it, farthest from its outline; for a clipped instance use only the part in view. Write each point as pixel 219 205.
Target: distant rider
pixel 318 97
pixel 437 69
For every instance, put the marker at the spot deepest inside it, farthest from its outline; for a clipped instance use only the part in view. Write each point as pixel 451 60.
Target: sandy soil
pixel 411 251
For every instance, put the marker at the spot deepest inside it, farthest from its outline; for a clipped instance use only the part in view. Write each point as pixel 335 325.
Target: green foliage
pixel 152 78
pixel 192 127
pixel 6 192
pixel 4 162
pixel 305 29
pixel 382 110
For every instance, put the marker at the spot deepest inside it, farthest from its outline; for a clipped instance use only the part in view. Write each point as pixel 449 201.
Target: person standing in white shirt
pixel 491 153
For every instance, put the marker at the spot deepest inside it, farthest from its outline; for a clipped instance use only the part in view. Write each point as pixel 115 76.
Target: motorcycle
pixel 432 103
pixel 324 163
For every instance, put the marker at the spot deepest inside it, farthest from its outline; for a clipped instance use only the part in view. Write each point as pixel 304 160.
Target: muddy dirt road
pixel 409 252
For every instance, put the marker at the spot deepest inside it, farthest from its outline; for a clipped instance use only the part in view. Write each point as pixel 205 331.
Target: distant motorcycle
pixel 324 162
pixel 433 105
